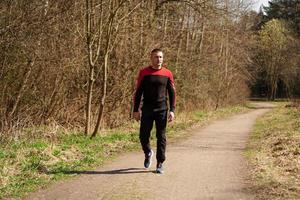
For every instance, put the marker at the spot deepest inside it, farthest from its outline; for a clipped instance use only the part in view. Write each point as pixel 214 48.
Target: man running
pixel 154 83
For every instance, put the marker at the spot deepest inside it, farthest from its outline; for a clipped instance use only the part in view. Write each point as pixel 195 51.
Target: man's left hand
pixel 171 116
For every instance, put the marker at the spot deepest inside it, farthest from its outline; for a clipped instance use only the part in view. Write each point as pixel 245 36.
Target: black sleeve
pixel 172 93
pixel 137 97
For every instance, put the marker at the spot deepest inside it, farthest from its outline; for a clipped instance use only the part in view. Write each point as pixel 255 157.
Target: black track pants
pixel 147 119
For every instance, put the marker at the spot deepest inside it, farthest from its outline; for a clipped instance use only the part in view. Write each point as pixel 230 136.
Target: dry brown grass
pixel 275 154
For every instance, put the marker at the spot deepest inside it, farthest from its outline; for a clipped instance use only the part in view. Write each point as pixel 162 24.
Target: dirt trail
pixel 207 165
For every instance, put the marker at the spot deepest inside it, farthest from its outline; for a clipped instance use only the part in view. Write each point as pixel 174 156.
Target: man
pixel 153 83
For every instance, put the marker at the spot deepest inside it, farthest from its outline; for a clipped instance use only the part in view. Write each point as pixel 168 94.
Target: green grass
pixel 34 161
pixel 274 154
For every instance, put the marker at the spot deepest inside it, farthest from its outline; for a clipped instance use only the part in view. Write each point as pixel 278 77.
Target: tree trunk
pixel 22 88
pixel 179 47
pixel 89 100
pixel 102 104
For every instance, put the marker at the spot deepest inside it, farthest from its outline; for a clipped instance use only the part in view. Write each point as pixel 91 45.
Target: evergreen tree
pixel 288 10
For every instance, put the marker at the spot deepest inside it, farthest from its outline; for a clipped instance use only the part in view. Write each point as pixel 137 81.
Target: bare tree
pixel 46 44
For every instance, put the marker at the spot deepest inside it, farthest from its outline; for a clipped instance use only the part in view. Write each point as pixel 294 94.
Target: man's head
pixel 157 58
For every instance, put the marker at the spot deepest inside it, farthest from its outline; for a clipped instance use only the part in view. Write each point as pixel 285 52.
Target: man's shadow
pixel 108 172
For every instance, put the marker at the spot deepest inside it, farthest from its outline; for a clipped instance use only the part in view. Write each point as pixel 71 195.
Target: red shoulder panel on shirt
pixel 155 72
pixel 146 71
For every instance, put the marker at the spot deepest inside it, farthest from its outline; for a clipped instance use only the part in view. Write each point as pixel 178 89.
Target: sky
pixel 259 3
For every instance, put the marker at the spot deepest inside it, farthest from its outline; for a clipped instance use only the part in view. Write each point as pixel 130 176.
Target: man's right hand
pixel 137 116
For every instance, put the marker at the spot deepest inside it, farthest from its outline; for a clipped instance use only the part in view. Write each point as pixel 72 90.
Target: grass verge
pixel 44 156
pixel 274 154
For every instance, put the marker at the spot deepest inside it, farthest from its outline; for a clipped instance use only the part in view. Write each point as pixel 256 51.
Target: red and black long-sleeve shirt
pixel 153 85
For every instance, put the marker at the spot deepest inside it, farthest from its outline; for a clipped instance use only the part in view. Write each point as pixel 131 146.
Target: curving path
pixel 207 165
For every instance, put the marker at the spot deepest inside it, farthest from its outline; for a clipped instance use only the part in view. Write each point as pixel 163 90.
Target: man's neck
pixel 156 67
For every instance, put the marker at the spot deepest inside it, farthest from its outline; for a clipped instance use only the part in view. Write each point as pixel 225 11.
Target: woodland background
pixel 74 63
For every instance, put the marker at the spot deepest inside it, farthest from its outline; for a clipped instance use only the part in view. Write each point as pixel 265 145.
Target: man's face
pixel 157 59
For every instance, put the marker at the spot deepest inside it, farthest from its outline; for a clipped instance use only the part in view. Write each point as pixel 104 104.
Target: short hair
pixel 156 50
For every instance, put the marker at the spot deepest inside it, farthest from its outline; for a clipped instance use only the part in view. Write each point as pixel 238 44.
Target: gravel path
pixel 207 165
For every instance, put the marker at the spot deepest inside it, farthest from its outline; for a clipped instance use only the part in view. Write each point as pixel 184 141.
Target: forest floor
pixel 208 164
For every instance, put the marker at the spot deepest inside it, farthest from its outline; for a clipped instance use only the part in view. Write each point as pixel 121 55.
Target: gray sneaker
pixel 148 159
pixel 159 168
